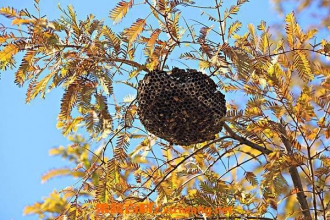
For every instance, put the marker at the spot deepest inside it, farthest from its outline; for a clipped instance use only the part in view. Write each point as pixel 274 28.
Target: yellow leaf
pixel 8 52
pixel 291 29
pixel 24 69
pixel 56 172
pixel 56 151
pixel 326 161
pixel 119 12
pixel 262 26
pixel 179 215
pixel 302 64
pixel 18 21
pixel 112 38
pixel 321 122
pixel 254 111
pixel 312 134
pixel 264 43
pixel 134 73
pixel 192 192
pixel 233 28
pixel 59 124
pixel 72 126
pixel 310 34
pixel 150 66
pixel 41 86
pixel 135 30
pixel 139 159
pixel 269 133
pixel 8 12
pixel 3 38
pixel 68 192
pixel 203 64
pixel 32 209
pixel 175 29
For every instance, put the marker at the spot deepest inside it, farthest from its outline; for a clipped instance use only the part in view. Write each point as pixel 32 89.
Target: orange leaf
pixel 327 133
pixel 151 42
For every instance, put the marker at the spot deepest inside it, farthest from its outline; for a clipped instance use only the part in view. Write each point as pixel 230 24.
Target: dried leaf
pixel 119 12
pixel 135 30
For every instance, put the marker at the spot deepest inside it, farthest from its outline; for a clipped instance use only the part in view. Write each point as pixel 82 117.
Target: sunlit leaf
pixel 135 30
pixel 119 12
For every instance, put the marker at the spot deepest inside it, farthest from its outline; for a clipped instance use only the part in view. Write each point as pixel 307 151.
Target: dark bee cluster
pixel 183 107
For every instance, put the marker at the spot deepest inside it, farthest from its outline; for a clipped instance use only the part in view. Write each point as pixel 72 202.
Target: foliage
pixel 320 16
pixel 273 151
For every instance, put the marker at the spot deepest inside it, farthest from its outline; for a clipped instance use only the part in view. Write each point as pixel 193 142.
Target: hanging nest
pixel 183 107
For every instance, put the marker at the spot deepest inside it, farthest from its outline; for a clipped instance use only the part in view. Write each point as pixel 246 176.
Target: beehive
pixel 183 107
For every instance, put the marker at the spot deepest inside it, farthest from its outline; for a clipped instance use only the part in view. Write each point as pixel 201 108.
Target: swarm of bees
pixel 183 107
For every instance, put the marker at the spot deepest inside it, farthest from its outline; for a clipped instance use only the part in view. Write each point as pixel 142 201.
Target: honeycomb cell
pixel 183 107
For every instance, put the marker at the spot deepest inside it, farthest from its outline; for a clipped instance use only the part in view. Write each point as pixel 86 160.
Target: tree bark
pixel 301 197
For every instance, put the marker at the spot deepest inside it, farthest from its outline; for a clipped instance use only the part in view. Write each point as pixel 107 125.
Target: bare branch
pixel 243 140
pixel 301 197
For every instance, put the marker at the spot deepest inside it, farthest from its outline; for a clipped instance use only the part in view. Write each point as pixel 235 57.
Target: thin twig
pixel 181 162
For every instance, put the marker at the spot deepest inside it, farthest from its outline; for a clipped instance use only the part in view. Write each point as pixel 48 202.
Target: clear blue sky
pixel 27 132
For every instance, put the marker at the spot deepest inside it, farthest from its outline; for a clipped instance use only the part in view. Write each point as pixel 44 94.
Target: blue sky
pixel 29 131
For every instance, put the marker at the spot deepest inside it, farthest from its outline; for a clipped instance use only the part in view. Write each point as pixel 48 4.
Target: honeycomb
pixel 183 107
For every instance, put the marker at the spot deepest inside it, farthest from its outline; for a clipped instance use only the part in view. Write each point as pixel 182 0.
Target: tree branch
pixel 245 141
pixel 181 162
pixel 301 197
